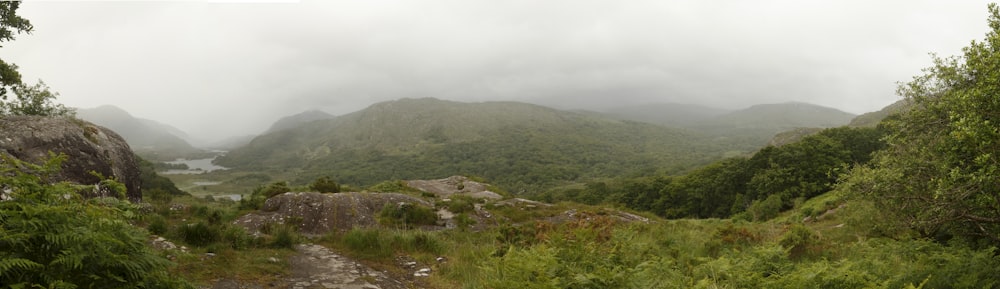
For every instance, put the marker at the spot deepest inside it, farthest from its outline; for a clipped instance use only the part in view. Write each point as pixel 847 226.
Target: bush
pixel 274 189
pixel 325 185
pixel 392 187
pixel 407 215
pixel 460 204
pixel 284 236
pixel 767 209
pixel 237 238
pixel 798 240
pixel 157 225
pixel 198 234
pixel 375 243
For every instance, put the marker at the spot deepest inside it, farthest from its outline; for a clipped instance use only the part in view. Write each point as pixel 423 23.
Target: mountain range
pixel 516 144
pixel 511 143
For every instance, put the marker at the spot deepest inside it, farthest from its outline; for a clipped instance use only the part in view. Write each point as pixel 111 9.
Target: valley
pixel 581 153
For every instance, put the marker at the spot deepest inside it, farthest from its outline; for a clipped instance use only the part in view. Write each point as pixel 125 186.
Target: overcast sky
pixel 217 69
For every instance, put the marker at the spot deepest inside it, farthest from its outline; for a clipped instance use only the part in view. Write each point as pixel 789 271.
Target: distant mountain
pixel 669 114
pixel 872 119
pixel 518 145
pixel 230 142
pixel 296 120
pixel 148 138
pixel 759 123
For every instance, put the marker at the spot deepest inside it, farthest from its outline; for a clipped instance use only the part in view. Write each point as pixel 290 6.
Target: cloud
pixel 217 69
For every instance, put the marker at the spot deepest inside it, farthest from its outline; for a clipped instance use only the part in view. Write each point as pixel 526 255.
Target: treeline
pixel 758 187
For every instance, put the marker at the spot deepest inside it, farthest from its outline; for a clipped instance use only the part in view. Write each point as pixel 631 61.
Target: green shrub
pixel 275 189
pixel 237 238
pixel 798 240
pixel 460 204
pixel 157 225
pixel 376 243
pixel 198 234
pixel 766 209
pixel 325 185
pixel 407 215
pixel 284 236
pixel 392 187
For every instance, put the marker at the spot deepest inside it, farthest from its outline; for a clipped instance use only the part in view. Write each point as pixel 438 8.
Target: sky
pixel 222 68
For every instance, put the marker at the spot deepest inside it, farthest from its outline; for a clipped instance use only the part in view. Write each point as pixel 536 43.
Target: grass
pixel 594 251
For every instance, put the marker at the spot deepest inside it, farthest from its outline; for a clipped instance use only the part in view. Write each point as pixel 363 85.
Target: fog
pixel 216 69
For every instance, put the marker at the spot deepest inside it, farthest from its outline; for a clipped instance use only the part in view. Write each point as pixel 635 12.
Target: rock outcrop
pixel 454 185
pixel 88 147
pixel 317 213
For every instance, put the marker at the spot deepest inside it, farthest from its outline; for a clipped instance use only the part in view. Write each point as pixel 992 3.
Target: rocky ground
pixel 317 267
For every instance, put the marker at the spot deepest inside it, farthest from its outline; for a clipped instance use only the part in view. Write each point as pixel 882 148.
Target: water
pixel 197 166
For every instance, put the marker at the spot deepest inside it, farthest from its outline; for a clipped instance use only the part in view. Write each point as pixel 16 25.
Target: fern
pixel 50 237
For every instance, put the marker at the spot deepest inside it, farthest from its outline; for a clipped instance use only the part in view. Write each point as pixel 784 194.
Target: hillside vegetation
pixel 517 145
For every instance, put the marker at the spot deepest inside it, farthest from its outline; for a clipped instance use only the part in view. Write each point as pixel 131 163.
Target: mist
pixel 219 69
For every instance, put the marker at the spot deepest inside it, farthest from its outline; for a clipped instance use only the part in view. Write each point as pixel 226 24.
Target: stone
pixel 88 147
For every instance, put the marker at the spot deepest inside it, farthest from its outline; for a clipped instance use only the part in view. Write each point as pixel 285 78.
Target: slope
pixel 150 139
pixel 298 119
pixel 669 114
pixel 759 123
pixel 517 145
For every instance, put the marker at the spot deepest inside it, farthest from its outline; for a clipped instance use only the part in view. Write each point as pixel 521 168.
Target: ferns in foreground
pixel 50 237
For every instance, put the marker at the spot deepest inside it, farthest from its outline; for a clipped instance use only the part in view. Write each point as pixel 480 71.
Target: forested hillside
pixel 757 188
pixel 517 145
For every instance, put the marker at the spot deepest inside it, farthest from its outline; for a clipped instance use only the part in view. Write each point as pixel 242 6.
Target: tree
pixel 28 99
pixel 34 100
pixel 938 175
pixel 10 25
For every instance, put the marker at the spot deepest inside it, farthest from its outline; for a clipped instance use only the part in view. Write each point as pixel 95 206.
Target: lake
pixel 196 166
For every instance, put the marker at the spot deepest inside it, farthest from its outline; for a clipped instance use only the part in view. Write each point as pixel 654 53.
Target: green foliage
pixel 460 204
pixel 798 240
pixel 520 147
pixel 34 100
pixel 284 236
pixel 407 215
pixel 198 234
pixel 376 243
pixel 938 175
pixel 763 185
pixel 10 25
pixel 766 209
pixel 324 185
pixel 51 237
pixel 397 186
pixel 275 189
pixel 154 186
pixel 261 194
pixel 157 225
pixel 707 254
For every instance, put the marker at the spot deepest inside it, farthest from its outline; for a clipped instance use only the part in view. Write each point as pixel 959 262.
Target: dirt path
pixel 317 267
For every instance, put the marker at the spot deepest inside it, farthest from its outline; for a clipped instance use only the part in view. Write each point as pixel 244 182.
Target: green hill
pixel 669 114
pixel 759 123
pixel 295 120
pixel 872 119
pixel 516 145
